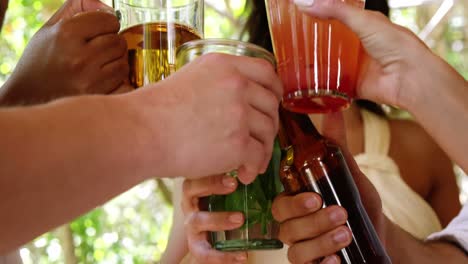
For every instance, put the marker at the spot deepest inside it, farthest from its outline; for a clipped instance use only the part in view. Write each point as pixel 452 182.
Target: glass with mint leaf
pixel 260 230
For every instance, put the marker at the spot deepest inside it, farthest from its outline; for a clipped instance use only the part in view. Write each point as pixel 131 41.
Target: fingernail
pixel 236 218
pixel 337 216
pixel 229 181
pixel 311 203
pixel 341 237
pixel 330 260
pixel 304 3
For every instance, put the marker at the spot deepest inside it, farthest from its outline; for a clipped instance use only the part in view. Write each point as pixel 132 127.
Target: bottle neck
pixel 297 129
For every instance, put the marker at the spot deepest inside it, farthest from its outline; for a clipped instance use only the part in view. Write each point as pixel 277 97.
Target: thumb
pixel 376 32
pixel 72 7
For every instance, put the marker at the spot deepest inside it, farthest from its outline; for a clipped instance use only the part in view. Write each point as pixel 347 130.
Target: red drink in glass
pixel 317 59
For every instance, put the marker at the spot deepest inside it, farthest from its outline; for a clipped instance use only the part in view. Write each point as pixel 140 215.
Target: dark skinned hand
pixel 78 51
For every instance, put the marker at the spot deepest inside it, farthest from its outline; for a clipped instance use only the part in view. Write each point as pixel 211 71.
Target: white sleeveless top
pixel 399 202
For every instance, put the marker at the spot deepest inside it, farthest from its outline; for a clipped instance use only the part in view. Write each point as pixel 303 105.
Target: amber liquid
pixel 314 164
pixel 151 50
pixel 317 59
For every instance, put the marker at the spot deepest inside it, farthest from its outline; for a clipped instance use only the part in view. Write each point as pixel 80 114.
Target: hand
pixel 78 51
pixel 393 50
pixel 220 113
pixel 199 223
pixel 315 233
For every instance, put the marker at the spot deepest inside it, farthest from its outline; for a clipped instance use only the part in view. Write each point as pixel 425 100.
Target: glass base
pixel 244 244
pixel 312 101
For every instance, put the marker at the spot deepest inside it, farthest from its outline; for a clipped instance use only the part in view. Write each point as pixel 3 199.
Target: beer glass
pixel 260 230
pixel 318 59
pixel 153 30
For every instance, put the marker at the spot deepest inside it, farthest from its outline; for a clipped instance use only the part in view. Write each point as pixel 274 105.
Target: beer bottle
pixel 312 163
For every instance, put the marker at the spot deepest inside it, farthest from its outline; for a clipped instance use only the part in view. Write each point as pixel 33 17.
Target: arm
pixel 402 71
pixel 177 246
pixel 403 248
pixel 50 161
pixel 425 168
pixel 61 159
pixel 444 194
pixel 439 104
pixel 73 53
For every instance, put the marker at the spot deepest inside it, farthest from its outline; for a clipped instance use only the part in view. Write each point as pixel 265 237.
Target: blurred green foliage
pixel 23 19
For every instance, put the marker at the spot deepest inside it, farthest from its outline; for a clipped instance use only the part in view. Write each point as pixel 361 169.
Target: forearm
pixel 438 98
pixel 404 248
pixel 60 160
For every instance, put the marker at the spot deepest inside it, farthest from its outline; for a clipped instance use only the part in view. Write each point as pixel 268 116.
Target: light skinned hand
pixel 316 234
pixel 392 49
pixel 220 113
pixel 198 223
pixel 78 51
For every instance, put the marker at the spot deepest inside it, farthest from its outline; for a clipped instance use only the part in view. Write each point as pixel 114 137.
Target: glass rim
pixel 161 8
pixel 226 43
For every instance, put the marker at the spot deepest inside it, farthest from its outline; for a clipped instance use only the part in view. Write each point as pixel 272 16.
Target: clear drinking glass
pixel 260 230
pixel 153 30
pixel 318 59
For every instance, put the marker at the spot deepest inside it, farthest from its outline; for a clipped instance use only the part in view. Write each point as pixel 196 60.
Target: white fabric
pixel 456 231
pixel 400 203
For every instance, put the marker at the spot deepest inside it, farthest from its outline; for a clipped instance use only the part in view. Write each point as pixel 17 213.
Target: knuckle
pixel 271 132
pixel 193 222
pixel 293 254
pixel 276 210
pixel 113 21
pixel 236 81
pixel 204 257
pixel 189 220
pixel 266 65
pixel 187 188
pixel 76 63
pixel 273 101
pixel 284 234
pixel 122 44
pixel 83 87
pixel 123 68
pixel 214 182
pixel 378 15
pixel 64 31
pixel 240 142
pixel 239 111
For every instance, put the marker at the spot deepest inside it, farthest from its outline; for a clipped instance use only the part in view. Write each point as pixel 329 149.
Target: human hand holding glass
pixel 318 58
pixel 254 200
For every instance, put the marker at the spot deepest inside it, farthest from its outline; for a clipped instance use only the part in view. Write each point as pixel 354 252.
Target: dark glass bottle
pixel 314 164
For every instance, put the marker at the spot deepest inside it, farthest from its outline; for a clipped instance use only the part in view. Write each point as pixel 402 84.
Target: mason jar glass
pixel 260 230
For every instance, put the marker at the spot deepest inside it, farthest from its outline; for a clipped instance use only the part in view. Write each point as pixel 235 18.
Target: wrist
pixel 414 77
pixel 138 135
pixel 151 119
pixel 426 80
